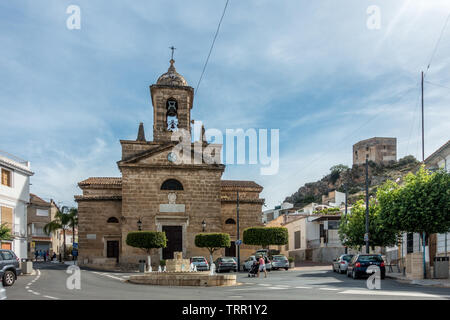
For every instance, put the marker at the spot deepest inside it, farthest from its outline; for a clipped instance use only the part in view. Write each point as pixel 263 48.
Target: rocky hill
pixel 355 179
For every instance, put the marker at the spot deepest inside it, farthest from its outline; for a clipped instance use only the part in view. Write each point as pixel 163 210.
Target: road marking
pixel 303 287
pixel 277 288
pixel 329 289
pixel 264 284
pixel 283 286
pixel 110 276
pixel 236 296
pixel 50 297
pixel 394 293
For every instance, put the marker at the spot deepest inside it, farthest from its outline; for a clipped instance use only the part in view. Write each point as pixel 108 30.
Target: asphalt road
pixel 49 283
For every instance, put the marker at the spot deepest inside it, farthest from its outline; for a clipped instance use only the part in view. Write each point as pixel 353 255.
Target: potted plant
pixel 291 262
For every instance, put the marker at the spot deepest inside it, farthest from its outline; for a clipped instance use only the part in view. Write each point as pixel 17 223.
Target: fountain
pixel 174 274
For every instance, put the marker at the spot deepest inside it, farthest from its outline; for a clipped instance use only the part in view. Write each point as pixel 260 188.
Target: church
pixel 158 193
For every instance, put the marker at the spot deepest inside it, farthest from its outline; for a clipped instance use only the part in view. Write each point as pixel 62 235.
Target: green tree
pixel 266 236
pixel 212 242
pixel 73 222
pixel 147 240
pixel 5 232
pixel 61 222
pixel 353 227
pixel 336 172
pixel 421 205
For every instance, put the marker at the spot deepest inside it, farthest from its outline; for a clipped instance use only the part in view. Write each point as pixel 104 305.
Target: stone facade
pixel 378 150
pixel 161 193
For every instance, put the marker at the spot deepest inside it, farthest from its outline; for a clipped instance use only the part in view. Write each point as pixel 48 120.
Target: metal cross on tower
pixel 173 49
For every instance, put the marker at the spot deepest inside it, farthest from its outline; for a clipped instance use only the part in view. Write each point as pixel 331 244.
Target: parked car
pixel 225 264
pixel 340 264
pixel 201 263
pixel 280 261
pixel 359 264
pixel 9 267
pixel 248 263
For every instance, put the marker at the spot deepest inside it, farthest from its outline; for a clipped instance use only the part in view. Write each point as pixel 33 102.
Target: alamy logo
pixel 374 19
pixel 236 147
pixel 374 281
pixel 73 281
pixel 74 20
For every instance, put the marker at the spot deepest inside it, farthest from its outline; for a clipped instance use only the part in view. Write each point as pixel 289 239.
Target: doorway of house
pixel 112 249
pixel 174 235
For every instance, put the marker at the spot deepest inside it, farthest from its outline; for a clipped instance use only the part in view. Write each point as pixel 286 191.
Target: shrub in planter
pixel 212 242
pixel 147 240
pixel 265 236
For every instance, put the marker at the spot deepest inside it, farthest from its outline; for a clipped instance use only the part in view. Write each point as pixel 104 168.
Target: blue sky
pixel 309 68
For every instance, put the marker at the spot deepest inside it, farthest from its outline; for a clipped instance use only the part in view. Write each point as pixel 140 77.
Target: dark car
pixel 201 263
pixel 9 267
pixel 225 264
pixel 358 265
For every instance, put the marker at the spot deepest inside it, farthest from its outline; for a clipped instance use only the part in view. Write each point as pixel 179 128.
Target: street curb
pixel 415 282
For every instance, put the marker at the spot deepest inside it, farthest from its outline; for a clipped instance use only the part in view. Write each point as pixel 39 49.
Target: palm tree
pixel 62 221
pixel 73 222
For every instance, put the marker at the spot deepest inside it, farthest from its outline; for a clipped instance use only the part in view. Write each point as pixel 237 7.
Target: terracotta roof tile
pixel 34 199
pixel 240 184
pixel 101 181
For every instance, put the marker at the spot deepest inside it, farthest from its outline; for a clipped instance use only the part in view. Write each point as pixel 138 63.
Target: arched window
pixel 230 221
pixel 113 220
pixel 172 184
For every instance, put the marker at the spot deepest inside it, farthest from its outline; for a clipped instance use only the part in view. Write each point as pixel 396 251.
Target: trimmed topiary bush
pixel 212 242
pixel 147 240
pixel 265 236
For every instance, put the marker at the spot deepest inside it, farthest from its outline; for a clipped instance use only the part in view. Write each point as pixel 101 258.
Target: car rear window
pixel 279 258
pixel 347 258
pixel 198 259
pixel 374 258
pixel 227 259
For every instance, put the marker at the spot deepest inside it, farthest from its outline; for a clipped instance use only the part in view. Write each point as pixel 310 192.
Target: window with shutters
pixel 297 242
pixel 6 178
pixel 6 215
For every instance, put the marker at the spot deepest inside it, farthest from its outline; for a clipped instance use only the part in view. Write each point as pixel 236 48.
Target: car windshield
pixel 370 258
pixel 198 259
pixel 227 260
pixel 279 258
pixel 347 258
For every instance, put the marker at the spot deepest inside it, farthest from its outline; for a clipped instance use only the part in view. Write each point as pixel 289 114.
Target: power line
pixel 212 46
pixel 438 85
pixel 437 43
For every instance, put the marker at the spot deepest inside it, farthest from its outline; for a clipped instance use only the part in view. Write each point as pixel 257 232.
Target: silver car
pixel 340 264
pixel 201 263
pixel 280 261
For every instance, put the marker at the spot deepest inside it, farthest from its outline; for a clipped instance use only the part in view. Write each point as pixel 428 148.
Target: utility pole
pixel 346 193
pixel 423 161
pixel 238 234
pixel 366 236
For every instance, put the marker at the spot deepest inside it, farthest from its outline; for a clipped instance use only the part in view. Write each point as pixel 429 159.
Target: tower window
pixel 172 184
pixel 172 114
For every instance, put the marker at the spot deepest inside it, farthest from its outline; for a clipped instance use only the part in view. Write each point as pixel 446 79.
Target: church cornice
pixel 98 198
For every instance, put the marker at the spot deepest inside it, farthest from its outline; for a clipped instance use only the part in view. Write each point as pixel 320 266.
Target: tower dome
pixel 172 77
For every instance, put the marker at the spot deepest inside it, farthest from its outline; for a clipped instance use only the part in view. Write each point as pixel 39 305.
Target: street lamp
pixel 139 224
pixel 203 225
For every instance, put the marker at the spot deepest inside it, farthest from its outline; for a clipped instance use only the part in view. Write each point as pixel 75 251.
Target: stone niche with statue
pixel 177 264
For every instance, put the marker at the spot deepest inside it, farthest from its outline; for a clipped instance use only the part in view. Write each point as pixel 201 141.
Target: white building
pixel 14 197
pixel 271 214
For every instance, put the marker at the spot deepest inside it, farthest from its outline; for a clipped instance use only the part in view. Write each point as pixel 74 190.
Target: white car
pixel 248 263
pixel 340 264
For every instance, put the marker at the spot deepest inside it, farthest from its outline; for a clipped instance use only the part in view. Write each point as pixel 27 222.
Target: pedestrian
pixel 262 266
pixel 54 256
pixel 44 255
pixel 36 254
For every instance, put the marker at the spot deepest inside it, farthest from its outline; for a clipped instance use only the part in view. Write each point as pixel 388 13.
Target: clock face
pixel 172 157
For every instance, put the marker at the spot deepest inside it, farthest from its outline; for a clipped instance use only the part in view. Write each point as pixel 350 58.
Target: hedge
pixel 265 236
pixel 147 240
pixel 212 240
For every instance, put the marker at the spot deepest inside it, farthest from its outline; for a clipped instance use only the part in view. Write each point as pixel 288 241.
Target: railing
pixel 13 157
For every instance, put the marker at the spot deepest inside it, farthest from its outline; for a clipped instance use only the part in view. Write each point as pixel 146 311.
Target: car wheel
pixel 9 278
pixel 286 269
pixel 354 276
pixel 342 271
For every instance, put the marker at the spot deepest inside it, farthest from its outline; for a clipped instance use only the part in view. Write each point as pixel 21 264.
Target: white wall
pixel 17 197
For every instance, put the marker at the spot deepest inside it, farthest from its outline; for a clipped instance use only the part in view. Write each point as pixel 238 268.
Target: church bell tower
pixel 172 100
